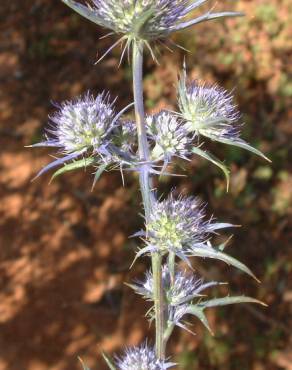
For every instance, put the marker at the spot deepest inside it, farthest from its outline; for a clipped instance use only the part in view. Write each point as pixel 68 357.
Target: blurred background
pixel 65 251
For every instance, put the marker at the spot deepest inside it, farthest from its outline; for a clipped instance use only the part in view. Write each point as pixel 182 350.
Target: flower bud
pixel 169 135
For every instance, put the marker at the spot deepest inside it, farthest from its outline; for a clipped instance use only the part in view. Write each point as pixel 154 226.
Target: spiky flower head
pixel 210 111
pixel 175 224
pixel 169 135
pixel 144 19
pixel 179 226
pixel 184 287
pixel 83 124
pixel 183 292
pixel 81 127
pixel 142 358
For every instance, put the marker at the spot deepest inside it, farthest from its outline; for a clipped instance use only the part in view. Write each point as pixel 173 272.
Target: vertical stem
pixel 158 305
pixel 171 266
pixel 145 180
pixel 146 191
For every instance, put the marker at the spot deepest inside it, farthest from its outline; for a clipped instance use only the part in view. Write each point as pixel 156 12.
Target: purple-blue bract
pixel 144 19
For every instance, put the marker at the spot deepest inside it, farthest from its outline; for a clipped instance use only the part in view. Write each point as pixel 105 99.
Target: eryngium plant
pixel 89 131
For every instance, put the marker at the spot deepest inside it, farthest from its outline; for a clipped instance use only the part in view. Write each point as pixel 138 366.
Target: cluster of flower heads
pixel 90 127
pixel 144 20
pixel 141 358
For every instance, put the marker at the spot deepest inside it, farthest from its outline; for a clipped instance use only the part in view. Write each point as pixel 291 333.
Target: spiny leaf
pixel 198 309
pixel 210 157
pixel 98 173
pixel 229 300
pixel 83 10
pixel 199 313
pixel 84 162
pixel 109 362
pixel 241 144
pixel 213 253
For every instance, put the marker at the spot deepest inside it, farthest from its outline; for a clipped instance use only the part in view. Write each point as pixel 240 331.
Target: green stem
pixel 147 192
pixel 171 266
pixel 158 305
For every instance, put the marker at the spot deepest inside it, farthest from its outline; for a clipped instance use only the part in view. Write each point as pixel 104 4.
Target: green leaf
pixel 83 364
pixel 109 362
pixel 98 173
pixel 210 157
pixel 229 300
pixel 84 162
pixel 215 254
pixel 199 313
pixel 240 144
pixel 198 309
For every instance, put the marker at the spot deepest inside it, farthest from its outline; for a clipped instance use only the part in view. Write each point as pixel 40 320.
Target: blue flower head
pixel 169 136
pixel 184 288
pixel 142 358
pixel 180 226
pixel 82 127
pixel 144 20
pixel 210 111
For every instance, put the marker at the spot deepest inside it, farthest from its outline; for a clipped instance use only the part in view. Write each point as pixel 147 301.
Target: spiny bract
pixel 144 19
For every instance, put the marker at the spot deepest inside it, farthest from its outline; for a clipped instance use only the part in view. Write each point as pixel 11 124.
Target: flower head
pixel 177 224
pixel 182 292
pixel 141 358
pixel 82 127
pixel 83 124
pixel 180 226
pixel 184 287
pixel 210 111
pixel 169 135
pixel 144 20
